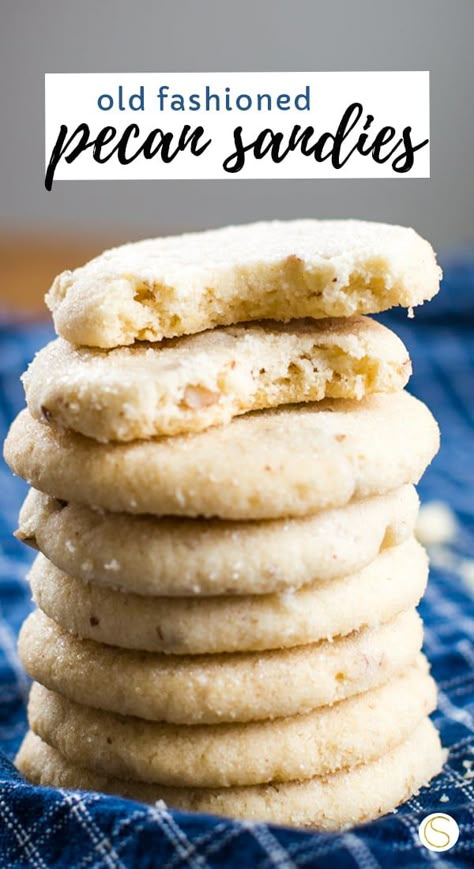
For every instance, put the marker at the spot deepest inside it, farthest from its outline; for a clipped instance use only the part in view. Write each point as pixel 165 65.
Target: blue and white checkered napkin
pixel 40 827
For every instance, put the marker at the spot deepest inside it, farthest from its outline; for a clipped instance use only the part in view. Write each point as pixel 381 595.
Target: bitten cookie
pixel 331 802
pixel 277 270
pixel 193 383
pixel 353 731
pixel 392 583
pixel 148 555
pixel 292 461
pixel 208 689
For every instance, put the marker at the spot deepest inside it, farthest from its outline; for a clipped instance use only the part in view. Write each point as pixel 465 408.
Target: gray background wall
pixel 37 36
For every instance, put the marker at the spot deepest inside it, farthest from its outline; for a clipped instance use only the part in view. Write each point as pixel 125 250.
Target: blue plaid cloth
pixel 41 827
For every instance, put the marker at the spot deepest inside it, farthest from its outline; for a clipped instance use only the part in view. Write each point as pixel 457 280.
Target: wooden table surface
pixel 28 264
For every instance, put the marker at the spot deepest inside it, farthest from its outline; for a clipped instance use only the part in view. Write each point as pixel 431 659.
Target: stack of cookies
pixel 222 458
